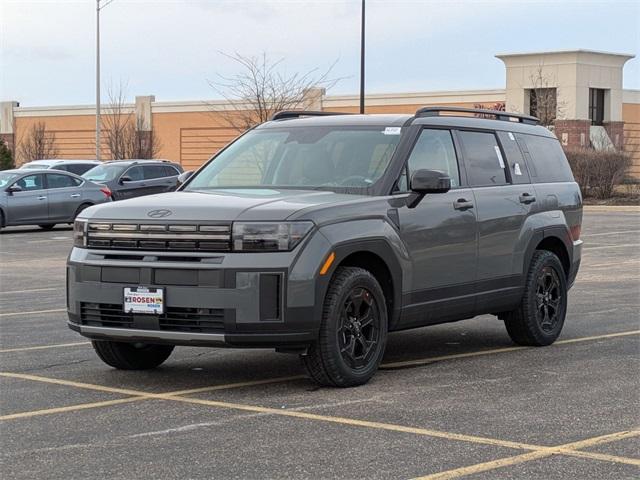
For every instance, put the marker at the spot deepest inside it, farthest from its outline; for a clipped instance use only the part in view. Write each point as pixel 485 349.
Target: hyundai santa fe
pixel 318 234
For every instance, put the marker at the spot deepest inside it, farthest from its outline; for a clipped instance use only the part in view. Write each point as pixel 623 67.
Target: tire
pixel 353 332
pixel 539 318
pixel 131 356
pixel 48 226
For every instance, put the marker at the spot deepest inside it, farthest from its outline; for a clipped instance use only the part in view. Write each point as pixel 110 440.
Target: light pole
pixel 362 60
pixel 98 8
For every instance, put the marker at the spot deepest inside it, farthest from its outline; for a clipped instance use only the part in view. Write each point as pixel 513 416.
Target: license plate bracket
pixel 144 300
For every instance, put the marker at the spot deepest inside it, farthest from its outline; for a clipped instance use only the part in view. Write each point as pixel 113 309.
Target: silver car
pixel 45 197
pixel 73 166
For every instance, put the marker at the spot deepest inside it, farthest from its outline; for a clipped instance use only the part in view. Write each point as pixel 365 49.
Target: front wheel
pixel 353 332
pixel 131 356
pixel 539 318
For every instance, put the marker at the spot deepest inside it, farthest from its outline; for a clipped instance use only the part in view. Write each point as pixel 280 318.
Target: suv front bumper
pixel 220 301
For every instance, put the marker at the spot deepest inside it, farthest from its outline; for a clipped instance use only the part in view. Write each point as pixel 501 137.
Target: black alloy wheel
pixel 359 330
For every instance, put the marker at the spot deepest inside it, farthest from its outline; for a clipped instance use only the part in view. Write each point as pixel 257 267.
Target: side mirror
pixel 123 179
pixel 427 181
pixel 183 177
pixel 14 188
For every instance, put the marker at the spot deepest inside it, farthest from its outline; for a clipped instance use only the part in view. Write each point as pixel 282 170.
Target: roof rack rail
pixel 285 114
pixel 499 115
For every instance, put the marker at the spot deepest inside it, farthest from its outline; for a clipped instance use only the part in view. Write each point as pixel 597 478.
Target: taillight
pixel 106 191
pixel 575 232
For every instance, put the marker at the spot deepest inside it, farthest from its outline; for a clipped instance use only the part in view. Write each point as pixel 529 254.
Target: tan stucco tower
pixel 586 88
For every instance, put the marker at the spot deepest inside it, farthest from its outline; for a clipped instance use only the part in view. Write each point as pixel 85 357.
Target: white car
pixel 73 166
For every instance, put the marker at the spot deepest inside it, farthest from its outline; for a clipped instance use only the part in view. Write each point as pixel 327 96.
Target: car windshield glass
pixel 6 178
pixel 345 159
pixel 103 173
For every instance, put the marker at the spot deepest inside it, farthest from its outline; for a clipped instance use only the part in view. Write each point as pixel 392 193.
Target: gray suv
pixel 319 233
pixel 134 178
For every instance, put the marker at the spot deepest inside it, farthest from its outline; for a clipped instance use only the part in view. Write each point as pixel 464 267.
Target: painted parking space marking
pixel 536 451
pixel 566 449
pixel 44 347
pixel 47 289
pixel 589 235
pixel 35 312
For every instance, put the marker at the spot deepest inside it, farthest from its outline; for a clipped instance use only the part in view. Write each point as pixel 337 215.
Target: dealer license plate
pixel 144 300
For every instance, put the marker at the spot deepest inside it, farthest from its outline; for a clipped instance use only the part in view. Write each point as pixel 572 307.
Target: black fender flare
pixel 557 231
pixel 377 246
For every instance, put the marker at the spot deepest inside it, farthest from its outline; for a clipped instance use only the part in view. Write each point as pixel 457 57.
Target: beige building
pixel 577 93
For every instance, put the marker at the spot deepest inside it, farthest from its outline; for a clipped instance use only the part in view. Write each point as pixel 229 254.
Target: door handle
pixel 75 195
pixel 462 204
pixel 42 198
pixel 527 198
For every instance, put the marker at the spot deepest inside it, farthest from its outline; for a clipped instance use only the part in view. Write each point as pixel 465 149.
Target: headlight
pixel 269 236
pixel 80 233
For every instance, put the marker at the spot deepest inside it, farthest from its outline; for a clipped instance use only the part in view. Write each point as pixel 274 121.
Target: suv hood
pixel 219 205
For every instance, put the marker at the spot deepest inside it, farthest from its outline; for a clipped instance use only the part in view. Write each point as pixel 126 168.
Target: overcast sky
pixel 169 48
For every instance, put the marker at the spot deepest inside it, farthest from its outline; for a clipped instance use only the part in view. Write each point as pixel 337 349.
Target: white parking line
pixel 610 233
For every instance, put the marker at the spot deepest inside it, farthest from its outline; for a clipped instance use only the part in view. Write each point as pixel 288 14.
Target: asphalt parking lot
pixel 456 400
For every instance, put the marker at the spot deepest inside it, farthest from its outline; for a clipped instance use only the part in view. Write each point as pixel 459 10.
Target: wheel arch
pixel 377 257
pixel 555 240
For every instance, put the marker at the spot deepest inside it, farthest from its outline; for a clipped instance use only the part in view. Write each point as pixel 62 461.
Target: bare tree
pixel 260 89
pixel 117 121
pixel 38 144
pixel 496 107
pixel 124 133
pixel 139 143
pixel 543 98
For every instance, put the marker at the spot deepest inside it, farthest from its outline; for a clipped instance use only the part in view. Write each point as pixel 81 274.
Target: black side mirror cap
pixel 427 181
pixel 14 188
pixel 183 177
pixel 430 181
pixel 124 179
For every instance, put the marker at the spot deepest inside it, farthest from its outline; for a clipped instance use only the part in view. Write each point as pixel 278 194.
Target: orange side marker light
pixel 327 263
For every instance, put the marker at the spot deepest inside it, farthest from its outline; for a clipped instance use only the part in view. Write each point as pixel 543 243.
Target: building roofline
pixel 559 52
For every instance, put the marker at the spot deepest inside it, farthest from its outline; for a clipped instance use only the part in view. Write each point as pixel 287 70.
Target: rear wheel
pixel 539 318
pixel 47 226
pixel 353 333
pixel 131 356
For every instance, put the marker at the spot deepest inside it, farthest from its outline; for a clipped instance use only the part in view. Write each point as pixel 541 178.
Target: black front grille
pixel 179 237
pixel 175 319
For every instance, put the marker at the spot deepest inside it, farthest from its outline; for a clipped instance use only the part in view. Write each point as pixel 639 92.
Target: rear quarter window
pixel 546 160
pixel 515 159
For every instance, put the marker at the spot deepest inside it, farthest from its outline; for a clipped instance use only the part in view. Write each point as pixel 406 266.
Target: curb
pixel 611 208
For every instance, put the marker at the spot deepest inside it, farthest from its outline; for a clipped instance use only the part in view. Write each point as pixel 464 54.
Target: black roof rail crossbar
pixel 284 114
pixel 499 115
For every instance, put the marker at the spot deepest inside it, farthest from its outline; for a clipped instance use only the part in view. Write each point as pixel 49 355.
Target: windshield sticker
pixel 511 136
pixel 392 131
pixel 516 169
pixel 500 161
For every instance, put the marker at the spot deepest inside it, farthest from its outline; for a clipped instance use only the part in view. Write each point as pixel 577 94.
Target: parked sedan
pixel 74 166
pixel 45 197
pixel 135 178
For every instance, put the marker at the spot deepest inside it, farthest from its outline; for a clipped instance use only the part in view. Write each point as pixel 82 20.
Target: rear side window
pixel 154 171
pixel 515 159
pixel 79 168
pixel 58 180
pixel 62 167
pixel 546 161
pixel 483 159
pixel 170 171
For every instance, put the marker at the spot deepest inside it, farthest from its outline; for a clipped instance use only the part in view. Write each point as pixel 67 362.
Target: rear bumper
pixel 576 257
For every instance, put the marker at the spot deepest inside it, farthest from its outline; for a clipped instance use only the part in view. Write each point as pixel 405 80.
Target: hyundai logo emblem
pixel 159 213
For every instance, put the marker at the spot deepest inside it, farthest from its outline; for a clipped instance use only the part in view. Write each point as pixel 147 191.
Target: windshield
pixel 103 173
pixel 331 158
pixel 6 178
